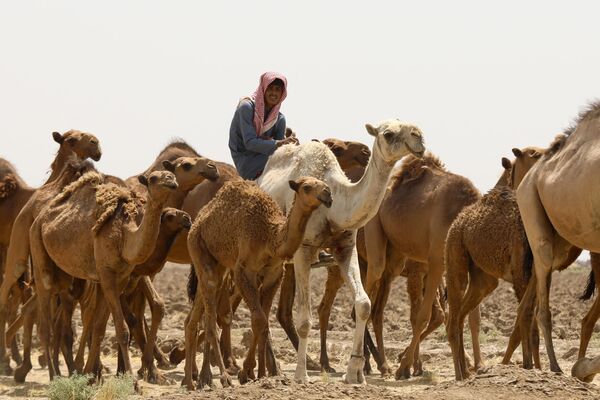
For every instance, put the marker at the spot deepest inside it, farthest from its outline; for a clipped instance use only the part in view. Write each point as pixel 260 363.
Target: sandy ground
pixel 497 381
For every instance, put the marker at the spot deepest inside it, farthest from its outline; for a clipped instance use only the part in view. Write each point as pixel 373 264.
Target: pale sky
pixel 477 77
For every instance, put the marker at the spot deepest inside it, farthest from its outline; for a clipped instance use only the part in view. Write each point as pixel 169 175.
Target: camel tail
pixel 590 288
pixel 192 284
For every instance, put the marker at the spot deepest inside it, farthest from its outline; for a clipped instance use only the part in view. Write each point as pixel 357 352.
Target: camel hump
pixel 108 199
pixel 413 168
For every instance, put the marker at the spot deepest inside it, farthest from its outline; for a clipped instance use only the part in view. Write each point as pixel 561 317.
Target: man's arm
pixel 251 141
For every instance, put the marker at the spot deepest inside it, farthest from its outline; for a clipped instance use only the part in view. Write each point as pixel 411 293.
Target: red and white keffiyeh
pixel 258 97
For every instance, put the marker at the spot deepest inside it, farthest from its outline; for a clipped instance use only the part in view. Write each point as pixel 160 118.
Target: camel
pixel 14 194
pixel 90 231
pixel 244 231
pixel 173 221
pixel 73 144
pixel 557 200
pixel 426 198
pixel 336 227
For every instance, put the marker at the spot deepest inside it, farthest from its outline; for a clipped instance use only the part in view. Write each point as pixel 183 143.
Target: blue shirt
pixel 249 152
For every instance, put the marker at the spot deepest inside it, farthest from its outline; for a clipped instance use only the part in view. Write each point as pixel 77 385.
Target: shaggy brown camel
pixel 90 232
pixel 14 194
pixel 73 144
pixel 224 237
pixel 485 243
pixel 426 198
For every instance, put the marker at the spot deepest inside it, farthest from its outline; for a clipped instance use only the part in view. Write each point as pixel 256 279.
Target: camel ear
pixel 506 163
pixel 143 180
pixel 57 137
pixel 289 132
pixel 294 185
pixel 316 140
pixel 169 166
pixel 372 130
pixel 517 152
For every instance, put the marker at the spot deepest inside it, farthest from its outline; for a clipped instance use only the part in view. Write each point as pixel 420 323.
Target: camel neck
pixel 292 231
pixel 355 204
pixel 59 162
pixel 140 242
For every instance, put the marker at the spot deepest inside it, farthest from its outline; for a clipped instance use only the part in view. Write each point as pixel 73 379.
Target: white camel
pixel 335 227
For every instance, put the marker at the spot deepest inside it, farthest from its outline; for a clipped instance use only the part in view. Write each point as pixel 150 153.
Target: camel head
pixel 84 145
pixel 349 154
pixel 395 139
pixel 160 185
pixel 191 171
pixel 311 192
pixel 174 220
pixel 525 159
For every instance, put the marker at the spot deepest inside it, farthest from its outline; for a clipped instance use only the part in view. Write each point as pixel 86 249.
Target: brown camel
pixel 426 198
pixel 14 194
pixel 485 243
pixel 73 144
pixel 224 237
pixel 90 231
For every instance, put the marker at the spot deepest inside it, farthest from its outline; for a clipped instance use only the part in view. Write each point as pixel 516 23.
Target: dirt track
pixel 497 381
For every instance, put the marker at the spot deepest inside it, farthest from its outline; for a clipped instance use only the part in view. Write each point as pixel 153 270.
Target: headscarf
pixel 258 97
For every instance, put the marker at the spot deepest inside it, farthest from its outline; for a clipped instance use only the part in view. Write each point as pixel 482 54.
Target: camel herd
pixel 89 239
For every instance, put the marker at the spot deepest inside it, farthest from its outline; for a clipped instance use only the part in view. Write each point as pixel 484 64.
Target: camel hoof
pixel 312 365
pixel 205 379
pixel 176 356
pixel 402 373
pixel 300 377
pixel 5 368
pixel 21 372
pixel 418 368
pixel 243 377
pixel 226 380
pixel 367 370
pixel 385 370
pixel 327 368
pixel 188 384
pixel 42 361
pixel 556 369
pixel 354 378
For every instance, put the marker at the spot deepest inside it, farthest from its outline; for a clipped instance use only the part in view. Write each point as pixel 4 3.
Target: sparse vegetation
pixel 77 387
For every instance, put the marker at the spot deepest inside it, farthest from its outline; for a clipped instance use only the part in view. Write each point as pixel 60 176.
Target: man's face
pixel 273 94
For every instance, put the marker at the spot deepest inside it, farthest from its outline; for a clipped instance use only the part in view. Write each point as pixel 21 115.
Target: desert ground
pixel 494 381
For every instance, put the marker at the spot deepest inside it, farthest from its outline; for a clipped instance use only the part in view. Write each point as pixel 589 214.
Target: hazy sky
pixel 478 78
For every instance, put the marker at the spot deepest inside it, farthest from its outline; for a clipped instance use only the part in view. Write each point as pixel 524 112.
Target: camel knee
pixel 158 309
pixel 363 309
pixel 303 328
pixel 544 251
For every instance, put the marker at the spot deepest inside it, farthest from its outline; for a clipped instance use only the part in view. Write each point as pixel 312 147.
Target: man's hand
pixel 288 140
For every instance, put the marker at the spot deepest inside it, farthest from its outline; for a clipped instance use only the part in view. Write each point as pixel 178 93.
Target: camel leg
pixel 347 258
pixel 98 320
pixel 269 287
pixel 541 236
pixel 191 341
pixel 333 284
pixel 302 260
pixel 377 320
pixel 112 288
pixel 432 281
pixel 18 297
pixel 227 306
pixel 589 321
pixel 474 325
pixel 157 307
pixel 29 318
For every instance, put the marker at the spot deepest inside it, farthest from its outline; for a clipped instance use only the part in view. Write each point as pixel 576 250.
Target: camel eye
pixel 186 166
pixel 153 179
pixel 307 189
